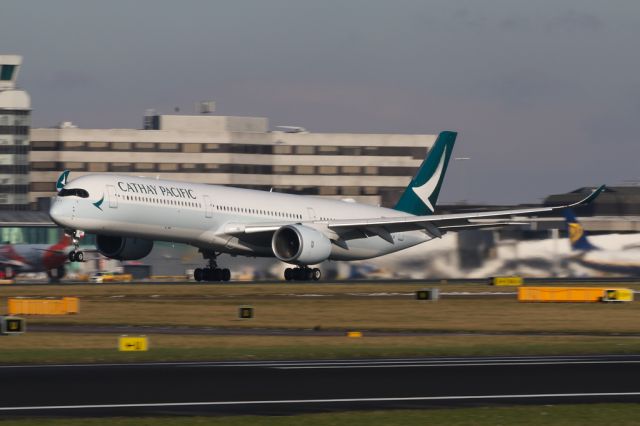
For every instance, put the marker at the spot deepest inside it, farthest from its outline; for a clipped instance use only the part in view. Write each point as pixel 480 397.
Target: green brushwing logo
pixel 62 180
pixel 98 203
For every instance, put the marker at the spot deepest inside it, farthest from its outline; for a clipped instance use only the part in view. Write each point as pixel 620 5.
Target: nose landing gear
pixel 212 273
pixel 302 273
pixel 76 255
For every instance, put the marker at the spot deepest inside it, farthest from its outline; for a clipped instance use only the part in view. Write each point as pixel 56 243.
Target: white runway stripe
pixel 320 401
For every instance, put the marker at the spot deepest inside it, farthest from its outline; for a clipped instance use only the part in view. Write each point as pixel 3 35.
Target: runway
pixel 289 387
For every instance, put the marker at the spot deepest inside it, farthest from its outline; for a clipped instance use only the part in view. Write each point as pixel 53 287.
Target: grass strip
pixel 91 348
pixel 550 415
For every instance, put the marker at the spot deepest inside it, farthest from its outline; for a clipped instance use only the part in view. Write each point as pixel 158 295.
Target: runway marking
pixel 436 361
pixel 319 401
pixel 460 364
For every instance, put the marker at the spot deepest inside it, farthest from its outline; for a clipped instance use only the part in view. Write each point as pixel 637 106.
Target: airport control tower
pixel 15 120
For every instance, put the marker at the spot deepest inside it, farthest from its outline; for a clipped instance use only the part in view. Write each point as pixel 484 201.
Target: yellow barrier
pixel 112 278
pixel 618 295
pixel 169 277
pixel 63 306
pixel 354 334
pixel 507 281
pixel 133 344
pixel 574 294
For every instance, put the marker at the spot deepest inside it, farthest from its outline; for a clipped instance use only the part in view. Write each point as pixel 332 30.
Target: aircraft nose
pixel 57 212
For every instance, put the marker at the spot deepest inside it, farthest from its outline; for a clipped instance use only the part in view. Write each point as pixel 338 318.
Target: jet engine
pixel 300 245
pixel 123 248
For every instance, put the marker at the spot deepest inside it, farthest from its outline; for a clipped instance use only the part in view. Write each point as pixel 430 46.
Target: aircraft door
pixel 208 207
pixel 113 201
pixel 312 213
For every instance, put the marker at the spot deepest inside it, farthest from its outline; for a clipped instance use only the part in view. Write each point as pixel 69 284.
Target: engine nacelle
pixel 301 245
pixel 123 248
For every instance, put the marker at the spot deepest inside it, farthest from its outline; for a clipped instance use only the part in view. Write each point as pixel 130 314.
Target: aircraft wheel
pixel 72 256
pixel 79 256
pixel 307 274
pixel 216 275
pixel 197 274
pixel 298 274
pixel 288 274
pixel 226 274
pixel 316 274
pixel 207 275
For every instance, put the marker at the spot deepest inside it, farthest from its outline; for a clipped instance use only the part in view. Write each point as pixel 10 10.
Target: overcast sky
pixel 545 94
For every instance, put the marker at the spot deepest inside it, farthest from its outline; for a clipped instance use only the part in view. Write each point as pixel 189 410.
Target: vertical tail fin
pixel 577 236
pixel 421 196
pixel 62 180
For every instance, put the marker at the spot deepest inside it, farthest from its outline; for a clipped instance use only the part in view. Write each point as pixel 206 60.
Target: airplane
pixel 19 258
pixel 607 259
pixel 128 213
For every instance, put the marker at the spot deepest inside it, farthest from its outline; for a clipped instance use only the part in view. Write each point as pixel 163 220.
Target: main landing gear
pixel 212 273
pixel 76 255
pixel 303 273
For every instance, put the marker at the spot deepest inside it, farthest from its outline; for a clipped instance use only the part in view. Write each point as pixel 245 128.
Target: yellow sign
pixel 618 295
pixel 507 281
pixel 12 325
pixel 245 312
pixel 354 334
pixel 131 344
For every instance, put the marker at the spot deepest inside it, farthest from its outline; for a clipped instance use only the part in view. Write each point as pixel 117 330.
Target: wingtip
pixel 595 194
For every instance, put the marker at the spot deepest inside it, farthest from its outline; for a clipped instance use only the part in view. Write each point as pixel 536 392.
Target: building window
pixel 327 149
pixel 43 186
pixel 328 170
pixel 350 170
pixel 370 170
pixel 305 170
pixel 7 72
pixel 121 146
pixel 191 147
pixel 73 146
pixel 350 190
pixel 190 167
pixel 74 165
pixel 98 167
pixel 211 167
pixel 173 147
pixel 167 167
pixel 120 167
pixel 282 169
pixel 98 146
pixel 211 147
pixel 328 190
pixel 145 166
pixel 370 190
pixel 305 149
pixel 44 165
pixel 282 149
pixel 145 146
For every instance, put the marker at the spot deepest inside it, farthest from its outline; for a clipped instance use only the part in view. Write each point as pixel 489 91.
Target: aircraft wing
pixel 4 261
pixel 457 221
pixel 435 225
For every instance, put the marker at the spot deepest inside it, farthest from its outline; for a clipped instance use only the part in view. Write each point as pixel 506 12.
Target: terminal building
pixel 236 151
pixel 15 118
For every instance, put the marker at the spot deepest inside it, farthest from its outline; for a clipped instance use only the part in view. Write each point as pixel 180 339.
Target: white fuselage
pixel 213 217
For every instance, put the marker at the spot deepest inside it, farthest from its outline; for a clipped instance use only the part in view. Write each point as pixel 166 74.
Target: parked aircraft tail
pixel 421 196
pixel 577 234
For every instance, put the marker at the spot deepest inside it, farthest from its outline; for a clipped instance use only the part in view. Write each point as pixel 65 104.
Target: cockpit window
pixel 78 192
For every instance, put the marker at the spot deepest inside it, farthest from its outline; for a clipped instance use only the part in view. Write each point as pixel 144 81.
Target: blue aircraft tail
pixel 577 235
pixel 421 196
